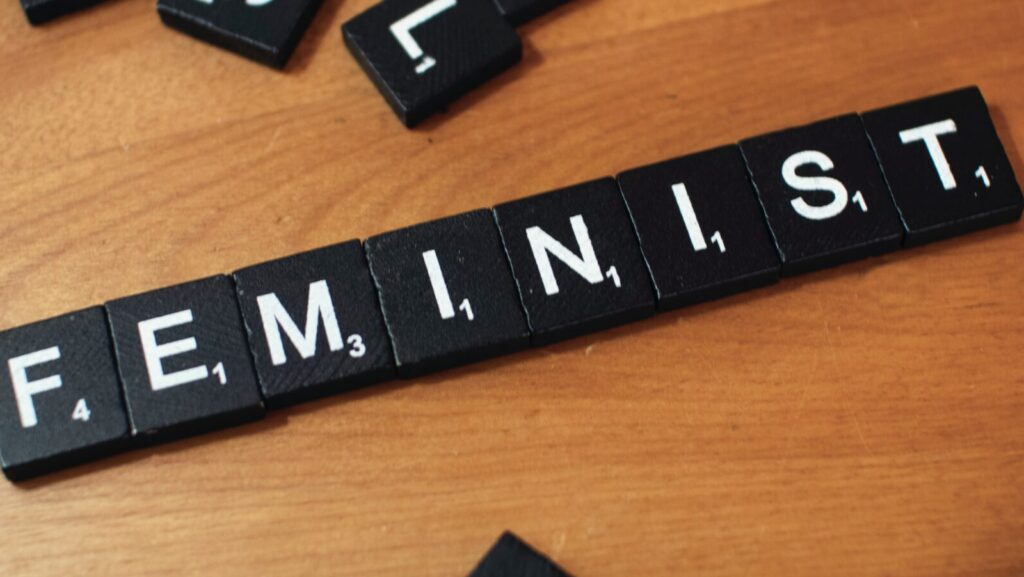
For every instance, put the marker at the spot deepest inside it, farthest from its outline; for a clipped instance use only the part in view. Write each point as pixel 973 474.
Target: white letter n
pixel 585 265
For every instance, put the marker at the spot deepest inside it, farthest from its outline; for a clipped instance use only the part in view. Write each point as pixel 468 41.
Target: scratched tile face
pixel 948 170
pixel 60 400
pixel 576 260
pixel 447 293
pixel 422 54
pixel 183 359
pixel 823 194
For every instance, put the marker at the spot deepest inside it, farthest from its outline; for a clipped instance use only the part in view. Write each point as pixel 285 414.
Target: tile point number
pixel 982 175
pixel 81 412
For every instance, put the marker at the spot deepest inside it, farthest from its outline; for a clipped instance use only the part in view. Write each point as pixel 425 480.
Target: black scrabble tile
pixel 40 11
pixel 520 11
pixel 266 31
pixel 823 193
pixel 60 400
pixel 512 557
pixel 447 293
pixel 184 360
pixel 423 54
pixel 945 165
pixel 576 260
pixel 701 227
pixel 314 325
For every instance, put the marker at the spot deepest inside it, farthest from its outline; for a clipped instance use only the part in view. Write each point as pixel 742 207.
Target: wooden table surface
pixel 865 420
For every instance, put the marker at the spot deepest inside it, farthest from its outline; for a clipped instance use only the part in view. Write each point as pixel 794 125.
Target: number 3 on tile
pixel 358 348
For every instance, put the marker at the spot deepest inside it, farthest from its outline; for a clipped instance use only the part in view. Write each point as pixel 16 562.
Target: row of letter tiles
pixel 209 353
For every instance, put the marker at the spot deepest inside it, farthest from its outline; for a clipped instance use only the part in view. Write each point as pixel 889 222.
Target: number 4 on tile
pixel 81 412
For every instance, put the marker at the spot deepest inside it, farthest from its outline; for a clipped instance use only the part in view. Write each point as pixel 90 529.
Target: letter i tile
pixel 447 293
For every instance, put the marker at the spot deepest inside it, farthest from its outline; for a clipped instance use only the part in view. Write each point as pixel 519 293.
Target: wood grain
pixel 861 421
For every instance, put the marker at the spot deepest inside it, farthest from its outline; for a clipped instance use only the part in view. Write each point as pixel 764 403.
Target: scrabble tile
pixel 701 227
pixel 823 193
pixel 945 165
pixel 40 11
pixel 184 360
pixel 512 557
pixel 576 260
pixel 423 54
pixel 266 31
pixel 60 400
pixel 314 325
pixel 520 11
pixel 447 294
